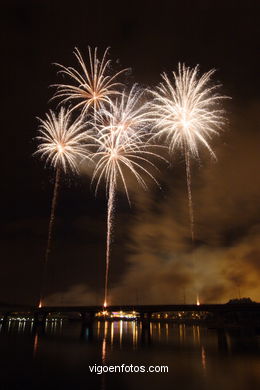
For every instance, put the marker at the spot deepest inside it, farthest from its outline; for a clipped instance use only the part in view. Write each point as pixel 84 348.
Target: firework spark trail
pixel 110 213
pixel 121 140
pixel 188 179
pixel 186 112
pixel 50 230
pixel 53 210
pixel 62 143
pixel 92 85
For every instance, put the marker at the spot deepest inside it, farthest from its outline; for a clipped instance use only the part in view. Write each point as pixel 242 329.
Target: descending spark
pixel 62 144
pixel 122 145
pixel 92 86
pixel 186 111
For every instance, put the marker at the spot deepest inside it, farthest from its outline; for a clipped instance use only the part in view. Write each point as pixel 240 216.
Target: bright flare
pixel 186 111
pixel 92 84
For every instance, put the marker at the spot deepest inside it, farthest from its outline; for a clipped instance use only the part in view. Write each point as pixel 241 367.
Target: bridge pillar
pixel 44 317
pixel 5 318
pixel 219 320
pixel 39 318
pixel 145 319
pixel 36 318
pixel 87 325
pixel 87 318
pixel 222 340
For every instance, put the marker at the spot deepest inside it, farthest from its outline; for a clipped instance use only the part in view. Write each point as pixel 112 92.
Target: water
pixel 59 356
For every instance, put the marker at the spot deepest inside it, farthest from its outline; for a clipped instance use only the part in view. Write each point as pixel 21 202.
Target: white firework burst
pixel 62 142
pixel 92 85
pixel 186 111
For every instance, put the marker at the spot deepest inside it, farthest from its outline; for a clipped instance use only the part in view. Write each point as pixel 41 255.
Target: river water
pixel 59 356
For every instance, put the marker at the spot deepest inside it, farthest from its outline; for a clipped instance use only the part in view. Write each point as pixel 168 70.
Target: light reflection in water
pixel 104 346
pixel 194 334
pixel 35 344
pixel 112 334
pixel 117 334
pixel 120 333
pixel 135 334
pixel 228 342
pixel 104 343
pixel 186 349
pixel 106 326
pixel 104 356
pixel 181 333
pixel 198 333
pixel 203 358
pixel 167 331
pixel 98 329
pixel 159 330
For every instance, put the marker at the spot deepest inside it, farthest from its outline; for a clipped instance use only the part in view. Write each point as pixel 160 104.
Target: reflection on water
pixel 35 344
pixel 203 357
pixel 59 353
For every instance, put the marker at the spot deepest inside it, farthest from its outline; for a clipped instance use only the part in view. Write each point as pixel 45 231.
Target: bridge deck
pixel 255 307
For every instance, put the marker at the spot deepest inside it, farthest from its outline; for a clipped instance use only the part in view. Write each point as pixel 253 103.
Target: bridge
pixel 235 310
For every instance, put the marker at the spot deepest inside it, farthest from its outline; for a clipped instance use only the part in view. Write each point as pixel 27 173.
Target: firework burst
pixel 92 85
pixel 62 142
pixel 186 111
pixel 62 145
pixel 122 146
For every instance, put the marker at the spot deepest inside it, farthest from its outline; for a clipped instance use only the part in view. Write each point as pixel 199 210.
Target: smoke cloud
pixel 161 265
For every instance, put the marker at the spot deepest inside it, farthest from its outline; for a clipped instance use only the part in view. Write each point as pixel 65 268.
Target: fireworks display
pixel 92 86
pixel 186 111
pixel 121 146
pixel 61 144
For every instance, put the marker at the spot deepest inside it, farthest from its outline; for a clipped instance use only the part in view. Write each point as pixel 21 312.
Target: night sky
pixel 152 256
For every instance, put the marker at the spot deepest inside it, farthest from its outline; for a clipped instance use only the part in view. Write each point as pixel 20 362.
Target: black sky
pixel 150 37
